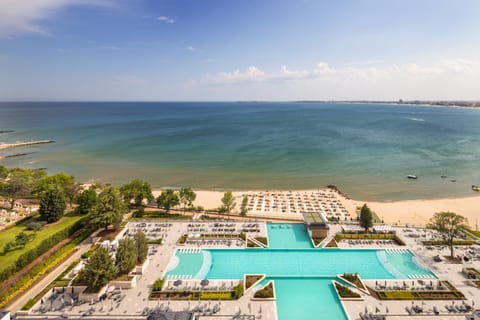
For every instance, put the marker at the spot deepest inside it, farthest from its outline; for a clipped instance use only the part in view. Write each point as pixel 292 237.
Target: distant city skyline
pixel 239 50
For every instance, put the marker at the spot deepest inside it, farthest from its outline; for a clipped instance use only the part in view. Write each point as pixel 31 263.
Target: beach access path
pixel 20 301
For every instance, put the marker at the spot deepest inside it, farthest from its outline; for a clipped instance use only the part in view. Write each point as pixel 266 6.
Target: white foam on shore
pixel 207 263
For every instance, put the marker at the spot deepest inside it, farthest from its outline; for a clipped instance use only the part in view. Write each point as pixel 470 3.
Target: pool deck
pixel 136 299
pixel 443 270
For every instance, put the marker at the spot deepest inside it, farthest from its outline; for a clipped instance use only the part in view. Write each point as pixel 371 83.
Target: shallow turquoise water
pixel 307 299
pixel 407 265
pixel 288 236
pixel 188 263
pixel 365 149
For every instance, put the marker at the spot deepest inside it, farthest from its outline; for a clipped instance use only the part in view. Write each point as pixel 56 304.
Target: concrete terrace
pixel 134 302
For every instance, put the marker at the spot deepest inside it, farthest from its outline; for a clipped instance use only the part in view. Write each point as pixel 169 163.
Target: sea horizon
pixel 366 150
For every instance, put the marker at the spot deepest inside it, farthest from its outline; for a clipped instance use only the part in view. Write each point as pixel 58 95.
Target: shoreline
pixel 404 212
pixel 23 144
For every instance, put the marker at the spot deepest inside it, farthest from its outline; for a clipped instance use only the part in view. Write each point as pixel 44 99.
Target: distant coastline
pixel 365 150
pixel 426 103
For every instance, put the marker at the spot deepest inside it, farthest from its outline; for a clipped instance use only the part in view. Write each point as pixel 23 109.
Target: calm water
pixel 366 150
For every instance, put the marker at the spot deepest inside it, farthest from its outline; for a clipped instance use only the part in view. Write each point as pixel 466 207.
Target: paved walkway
pixel 19 302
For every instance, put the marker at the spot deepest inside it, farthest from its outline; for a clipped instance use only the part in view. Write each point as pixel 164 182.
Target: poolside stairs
pixel 393 251
pixel 195 251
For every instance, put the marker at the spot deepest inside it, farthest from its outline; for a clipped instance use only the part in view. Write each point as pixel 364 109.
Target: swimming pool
pixel 288 236
pixel 234 263
pixel 302 274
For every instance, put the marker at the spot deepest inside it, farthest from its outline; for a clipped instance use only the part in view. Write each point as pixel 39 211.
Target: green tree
pixel 136 190
pixel 366 218
pixel 449 225
pixel 3 172
pixel 126 258
pixel 109 209
pixel 19 183
pixel 52 204
pixel 186 197
pixel 243 208
pixel 168 199
pixel 228 202
pixel 62 180
pixel 22 239
pixel 86 200
pixel 99 269
pixel 142 246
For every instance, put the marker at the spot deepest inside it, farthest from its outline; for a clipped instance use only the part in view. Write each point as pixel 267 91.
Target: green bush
pixel 266 292
pixel 182 239
pixel 42 247
pixel 36 225
pixel 237 291
pixel 139 213
pixel 157 285
pixel 262 240
pixel 345 292
pixel 30 303
pixel 205 295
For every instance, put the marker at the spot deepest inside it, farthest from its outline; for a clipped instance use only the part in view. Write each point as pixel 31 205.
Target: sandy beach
pixel 411 212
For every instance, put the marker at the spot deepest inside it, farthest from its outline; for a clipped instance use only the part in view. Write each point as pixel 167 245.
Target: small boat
pixel 443 177
pixel 475 188
pixel 412 176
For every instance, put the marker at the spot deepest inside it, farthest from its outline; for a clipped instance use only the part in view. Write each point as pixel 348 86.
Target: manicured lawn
pixel 9 234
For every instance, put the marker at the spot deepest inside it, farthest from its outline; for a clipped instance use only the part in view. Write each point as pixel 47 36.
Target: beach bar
pixel 317 224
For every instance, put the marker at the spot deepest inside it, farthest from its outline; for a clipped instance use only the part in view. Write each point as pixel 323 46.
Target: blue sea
pixel 365 149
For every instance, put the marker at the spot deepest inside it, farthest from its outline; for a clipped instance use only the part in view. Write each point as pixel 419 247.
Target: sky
pixel 205 50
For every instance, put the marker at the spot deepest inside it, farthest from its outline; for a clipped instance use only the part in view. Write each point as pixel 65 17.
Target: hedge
pixel 43 247
pixel 46 266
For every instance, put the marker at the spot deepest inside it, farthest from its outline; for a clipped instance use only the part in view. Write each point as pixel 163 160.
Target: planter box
pixel 126 284
pixel 265 299
pixel 141 268
pixel 91 296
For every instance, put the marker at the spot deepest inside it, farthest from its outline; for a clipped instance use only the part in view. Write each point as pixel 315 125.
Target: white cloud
pixel 166 19
pixel 250 74
pixel 190 48
pixel 25 16
pixel 445 79
pixel 109 48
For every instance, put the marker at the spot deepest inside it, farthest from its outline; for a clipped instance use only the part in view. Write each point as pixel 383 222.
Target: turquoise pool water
pixel 307 298
pixel 188 263
pixel 302 274
pixel 288 236
pixel 407 264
